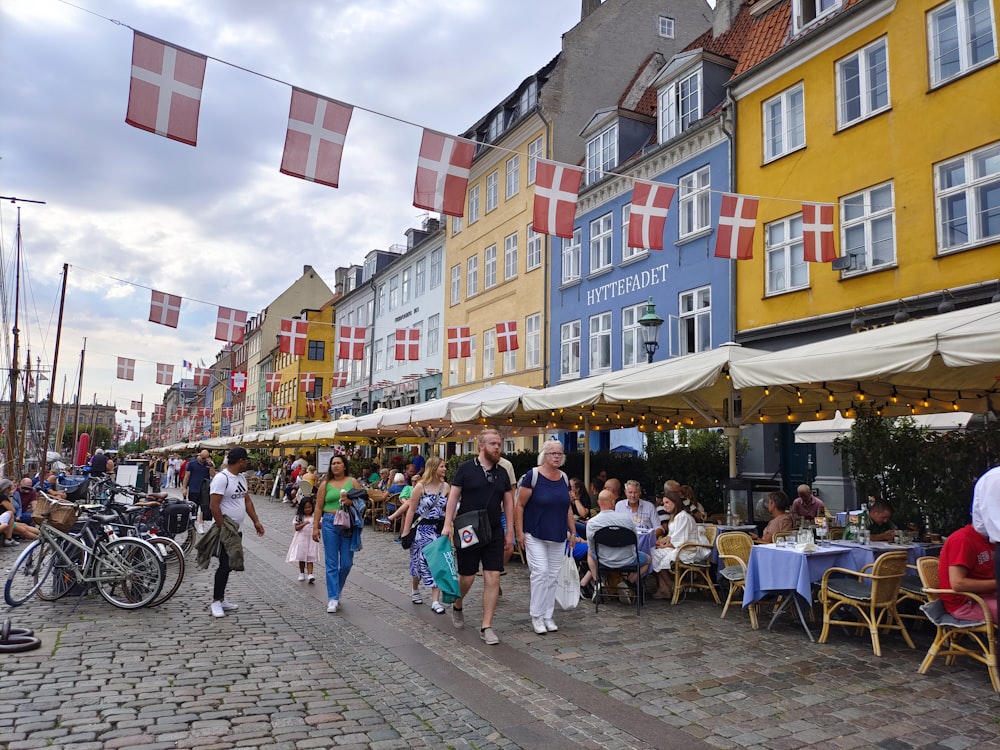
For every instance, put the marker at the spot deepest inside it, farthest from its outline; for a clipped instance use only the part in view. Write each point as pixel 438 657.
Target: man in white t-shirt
pixel 231 500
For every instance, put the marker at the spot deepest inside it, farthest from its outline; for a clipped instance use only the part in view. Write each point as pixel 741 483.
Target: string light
pixel 895 396
pixel 927 400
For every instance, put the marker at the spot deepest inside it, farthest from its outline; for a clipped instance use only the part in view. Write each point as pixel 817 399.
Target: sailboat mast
pixel 79 397
pixel 43 461
pixel 13 469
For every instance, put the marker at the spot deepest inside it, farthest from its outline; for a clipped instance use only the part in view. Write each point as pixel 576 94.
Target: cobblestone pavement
pixel 385 673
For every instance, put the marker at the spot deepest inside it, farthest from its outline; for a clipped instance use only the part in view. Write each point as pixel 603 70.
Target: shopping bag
pixel 440 557
pixel 568 584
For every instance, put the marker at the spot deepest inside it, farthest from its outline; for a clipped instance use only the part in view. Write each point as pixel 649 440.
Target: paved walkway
pixel 385 673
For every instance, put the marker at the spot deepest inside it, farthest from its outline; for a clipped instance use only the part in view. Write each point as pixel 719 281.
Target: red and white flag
pixel 126 369
pixel 272 381
pixel 292 338
pixel 351 342
pixel 737 222
pixel 314 141
pixel 507 336
pixel 164 94
pixel 204 412
pixel 238 381
pixel 136 405
pixel 648 215
pixel 202 377
pixel 230 324
pixel 557 188
pixel 443 173
pixel 164 309
pixel 459 342
pixel 817 232
pixel 227 412
pixel 407 344
pixel 307 381
pixel 339 379
pixel 164 374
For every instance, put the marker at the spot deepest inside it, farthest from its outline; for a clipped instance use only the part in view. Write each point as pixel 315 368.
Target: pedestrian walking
pixel 480 484
pixel 340 542
pixel 426 509
pixel 304 550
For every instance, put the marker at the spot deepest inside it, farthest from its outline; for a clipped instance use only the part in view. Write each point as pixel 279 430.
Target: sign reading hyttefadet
pixel 627 285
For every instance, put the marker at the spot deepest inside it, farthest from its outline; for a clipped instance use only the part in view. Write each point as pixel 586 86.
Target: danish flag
pixel 204 412
pixel 352 342
pixel 292 339
pixel 459 342
pixel 164 309
pixel 507 336
pixel 557 187
pixel 442 173
pixel 238 381
pixel 314 141
pixel 230 324
pixel 407 344
pixel 817 232
pixel 648 215
pixel 307 382
pixel 164 374
pixel 339 379
pixel 737 222
pixel 202 377
pixel 164 94
pixel 272 381
pixel 227 412
pixel 126 369
pixel 136 405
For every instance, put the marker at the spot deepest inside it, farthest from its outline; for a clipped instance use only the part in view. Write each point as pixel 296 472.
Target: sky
pixel 131 211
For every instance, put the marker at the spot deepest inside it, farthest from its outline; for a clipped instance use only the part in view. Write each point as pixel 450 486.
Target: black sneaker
pixel 587 592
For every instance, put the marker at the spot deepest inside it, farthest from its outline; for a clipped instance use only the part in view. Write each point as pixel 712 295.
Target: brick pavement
pixel 384 673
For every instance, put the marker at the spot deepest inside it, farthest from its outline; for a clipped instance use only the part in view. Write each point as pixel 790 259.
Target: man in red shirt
pixel 967 566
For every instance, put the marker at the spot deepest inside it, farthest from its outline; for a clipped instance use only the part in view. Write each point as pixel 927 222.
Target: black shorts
pixel 490 556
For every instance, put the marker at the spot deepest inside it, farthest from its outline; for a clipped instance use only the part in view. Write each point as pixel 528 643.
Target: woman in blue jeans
pixel 339 544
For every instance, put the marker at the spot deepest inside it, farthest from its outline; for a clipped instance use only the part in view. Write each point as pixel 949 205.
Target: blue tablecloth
pixel 873 549
pixel 784 569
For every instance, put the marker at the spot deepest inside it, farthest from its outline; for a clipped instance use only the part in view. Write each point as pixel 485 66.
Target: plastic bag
pixel 568 584
pixel 440 556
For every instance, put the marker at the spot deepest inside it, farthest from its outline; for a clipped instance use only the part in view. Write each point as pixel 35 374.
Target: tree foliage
pixel 100 436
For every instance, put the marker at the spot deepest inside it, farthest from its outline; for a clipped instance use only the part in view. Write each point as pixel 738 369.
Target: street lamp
pixel 356 404
pixel 650 323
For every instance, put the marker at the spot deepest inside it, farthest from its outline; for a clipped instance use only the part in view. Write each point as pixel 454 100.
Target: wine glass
pixel 821 533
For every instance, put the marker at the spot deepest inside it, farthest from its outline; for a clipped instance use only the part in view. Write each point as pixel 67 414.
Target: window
pixel 433 334
pixel 472 276
pixel 666 27
pixel 421 277
pixel 694 202
pixel 473 204
pixel 529 97
pixel 452 372
pixel 629 252
pixel 513 176
pixel 510 256
pixel 489 352
pixel 600 343
pixel 867 225
pixel 808 11
pixel 968 199
pixel 961 37
pixel 456 225
pixel 510 361
pixel 535 152
pixel 496 127
pixel 633 352
pixel 695 321
pixel 379 361
pixel 419 328
pixel 381 298
pixel 571 258
pixel 569 350
pixel 602 154
pixel 394 292
pixel 406 286
pixel 600 243
pixel 436 267
pixel 533 340
pixel 456 284
pixel 492 190
pixel 786 266
pixel 317 351
pixel 470 362
pixel 317 389
pixel 390 351
pixel 490 268
pixel 680 105
pixel 863 84
pixel 784 123
pixel 534 259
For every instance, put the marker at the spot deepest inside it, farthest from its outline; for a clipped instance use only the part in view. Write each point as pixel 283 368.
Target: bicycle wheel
pixel 129 572
pixel 62 580
pixel 28 574
pixel 173 561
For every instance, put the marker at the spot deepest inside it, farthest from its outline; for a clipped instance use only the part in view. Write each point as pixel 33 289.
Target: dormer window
pixel 602 153
pixel 806 12
pixel 680 105
pixel 496 127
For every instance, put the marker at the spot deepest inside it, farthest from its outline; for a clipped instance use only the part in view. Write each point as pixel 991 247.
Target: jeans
pixel 544 560
pixel 338 555
pixel 221 575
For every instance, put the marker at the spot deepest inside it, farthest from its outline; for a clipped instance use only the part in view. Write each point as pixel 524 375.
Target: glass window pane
pixel 955 228
pixel 988 199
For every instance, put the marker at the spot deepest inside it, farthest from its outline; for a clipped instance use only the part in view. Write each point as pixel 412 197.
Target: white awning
pixel 828 430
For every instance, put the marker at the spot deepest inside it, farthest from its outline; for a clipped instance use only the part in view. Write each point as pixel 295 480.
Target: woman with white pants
pixel 543 524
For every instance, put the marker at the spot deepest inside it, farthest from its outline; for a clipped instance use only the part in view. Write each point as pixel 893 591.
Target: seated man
pixel 880 525
pixel 807 506
pixel 642 511
pixel 10 513
pixel 613 557
pixel 24 501
pixel 781 519
pixel 967 566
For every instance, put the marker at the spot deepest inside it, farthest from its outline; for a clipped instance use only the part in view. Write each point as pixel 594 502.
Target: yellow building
pixel 889 111
pixel 294 404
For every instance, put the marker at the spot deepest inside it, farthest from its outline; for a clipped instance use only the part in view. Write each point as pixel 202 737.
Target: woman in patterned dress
pixel 428 501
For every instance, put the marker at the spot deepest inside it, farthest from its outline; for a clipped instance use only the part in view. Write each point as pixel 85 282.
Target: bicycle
pixel 128 572
pixel 155 513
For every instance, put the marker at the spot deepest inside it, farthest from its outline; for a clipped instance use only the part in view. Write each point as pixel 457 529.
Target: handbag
pixel 406 541
pixel 440 557
pixel 474 529
pixel 568 584
pixel 342 519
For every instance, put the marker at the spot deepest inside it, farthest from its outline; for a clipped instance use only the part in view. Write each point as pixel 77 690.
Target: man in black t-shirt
pixel 482 484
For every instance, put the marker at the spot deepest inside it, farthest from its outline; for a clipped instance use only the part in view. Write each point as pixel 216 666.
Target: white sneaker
pixel 538 625
pixel 217 610
pixel 229 606
pixel 312 578
pixel 333 605
pixel 302 576
pixel 550 625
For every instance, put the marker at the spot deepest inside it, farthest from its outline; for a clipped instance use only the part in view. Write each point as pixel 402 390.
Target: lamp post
pixel 356 405
pixel 650 323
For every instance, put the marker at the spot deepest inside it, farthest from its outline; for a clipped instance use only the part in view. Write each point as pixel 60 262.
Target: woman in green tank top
pixel 339 544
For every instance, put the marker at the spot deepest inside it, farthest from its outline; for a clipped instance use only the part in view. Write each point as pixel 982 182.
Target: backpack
pixel 534 478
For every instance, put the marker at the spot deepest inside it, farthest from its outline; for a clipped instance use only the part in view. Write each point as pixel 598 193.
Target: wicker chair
pixel 790 535
pixel 694 575
pixel 976 639
pixel 734 556
pixel 872 595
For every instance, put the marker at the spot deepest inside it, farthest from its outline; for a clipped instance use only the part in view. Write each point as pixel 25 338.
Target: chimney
pixel 724 15
pixel 589 6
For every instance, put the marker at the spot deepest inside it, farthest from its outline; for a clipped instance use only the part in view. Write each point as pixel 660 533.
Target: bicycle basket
pixel 58 515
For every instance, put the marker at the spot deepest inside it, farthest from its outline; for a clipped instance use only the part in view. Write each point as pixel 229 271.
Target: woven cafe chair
pixel 734 556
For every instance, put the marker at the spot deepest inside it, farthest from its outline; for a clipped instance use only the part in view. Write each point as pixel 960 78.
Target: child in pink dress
pixel 303 550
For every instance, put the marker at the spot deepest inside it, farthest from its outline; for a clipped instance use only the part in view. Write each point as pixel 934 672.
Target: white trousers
pixel 544 561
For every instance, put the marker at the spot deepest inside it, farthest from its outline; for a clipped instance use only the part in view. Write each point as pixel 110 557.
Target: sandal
pixel 437 608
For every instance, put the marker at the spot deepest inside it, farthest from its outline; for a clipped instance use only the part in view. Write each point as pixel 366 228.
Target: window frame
pixel 820 9
pixel 569 350
pixel 572 251
pixel 599 343
pixel 437 266
pixel 492 190
pixel 433 334
pixel 456 284
pixel 789 125
pixel 632 335
pixel 861 58
pixel 510 256
pixel 513 176
pixel 694 202
pixel 790 246
pixel 419 277
pixel 677 108
pixel 969 188
pixel 472 276
pixel 601 154
pixel 666 27
pixel 963 43
pixel 536 151
pixel 489 352
pixel 532 340
pixel 698 318
pixel 866 220
pixel 535 245
pixel 316 350
pixel 490 267
pixel 602 243
pixel 473 204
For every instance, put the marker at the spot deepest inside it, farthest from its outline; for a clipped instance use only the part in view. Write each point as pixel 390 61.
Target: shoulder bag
pixel 474 529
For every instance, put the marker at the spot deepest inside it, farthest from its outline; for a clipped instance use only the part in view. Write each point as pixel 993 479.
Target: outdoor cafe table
pixel 720 529
pixel 790 573
pixel 872 550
